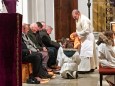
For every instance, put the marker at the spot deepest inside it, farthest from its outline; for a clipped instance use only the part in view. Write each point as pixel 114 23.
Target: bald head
pixel 75 14
pixel 34 27
pixel 75 11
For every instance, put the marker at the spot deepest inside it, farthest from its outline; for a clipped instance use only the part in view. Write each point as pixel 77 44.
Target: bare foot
pixel 42 80
pixel 51 73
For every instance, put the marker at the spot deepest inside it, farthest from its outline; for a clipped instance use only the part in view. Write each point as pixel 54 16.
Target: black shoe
pixel 75 74
pixel 69 75
pixel 31 80
pixel 83 72
pixel 92 70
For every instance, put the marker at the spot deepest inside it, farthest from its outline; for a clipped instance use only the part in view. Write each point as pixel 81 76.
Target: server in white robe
pixel 84 28
pixel 69 61
pixel 107 53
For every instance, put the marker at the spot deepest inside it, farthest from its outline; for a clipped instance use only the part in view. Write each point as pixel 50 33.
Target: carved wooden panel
pixel 64 23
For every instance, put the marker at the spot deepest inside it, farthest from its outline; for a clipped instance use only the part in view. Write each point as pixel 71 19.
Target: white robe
pixel 68 63
pixel 86 53
pixel 107 58
pixel 84 28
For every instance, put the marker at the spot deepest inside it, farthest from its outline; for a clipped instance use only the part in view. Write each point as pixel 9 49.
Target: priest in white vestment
pixel 84 30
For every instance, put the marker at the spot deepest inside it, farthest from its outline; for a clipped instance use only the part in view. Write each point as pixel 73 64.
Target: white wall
pixel 19 7
pixel 50 16
pixel 83 8
pixel 22 8
pixel 42 10
pixel 24 11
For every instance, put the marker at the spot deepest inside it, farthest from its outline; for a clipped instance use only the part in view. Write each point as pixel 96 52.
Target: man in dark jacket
pixel 44 34
pixel 32 36
pixel 35 59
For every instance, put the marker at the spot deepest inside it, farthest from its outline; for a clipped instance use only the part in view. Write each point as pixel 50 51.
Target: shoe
pixel 83 72
pixel 42 80
pixel 32 81
pixel 75 74
pixel 69 75
pixel 92 70
pixel 39 79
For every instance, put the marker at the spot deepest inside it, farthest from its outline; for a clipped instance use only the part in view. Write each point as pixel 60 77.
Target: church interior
pixel 58 15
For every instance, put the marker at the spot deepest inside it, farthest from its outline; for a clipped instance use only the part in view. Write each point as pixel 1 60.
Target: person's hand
pixel 30 51
pixel 74 34
pixel 38 50
pixel 44 49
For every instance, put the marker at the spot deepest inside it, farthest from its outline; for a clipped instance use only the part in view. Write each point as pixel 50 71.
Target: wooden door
pixel 64 23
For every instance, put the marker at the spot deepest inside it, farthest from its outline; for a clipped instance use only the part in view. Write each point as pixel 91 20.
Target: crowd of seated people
pixel 32 35
pixel 43 58
pixel 32 55
pixel 44 35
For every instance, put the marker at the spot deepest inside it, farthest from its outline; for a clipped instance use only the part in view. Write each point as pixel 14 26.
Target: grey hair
pixel 48 27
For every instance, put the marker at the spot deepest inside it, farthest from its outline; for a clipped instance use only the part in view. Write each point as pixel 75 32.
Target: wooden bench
pixel 26 70
pixel 105 71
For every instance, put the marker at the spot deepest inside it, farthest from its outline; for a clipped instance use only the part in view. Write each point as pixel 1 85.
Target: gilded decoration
pixel 102 14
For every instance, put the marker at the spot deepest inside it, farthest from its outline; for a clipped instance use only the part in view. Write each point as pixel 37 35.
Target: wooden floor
pixel 91 79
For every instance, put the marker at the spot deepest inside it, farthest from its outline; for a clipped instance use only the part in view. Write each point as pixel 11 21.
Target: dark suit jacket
pixel 39 40
pixel 25 50
pixel 47 40
pixel 33 38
